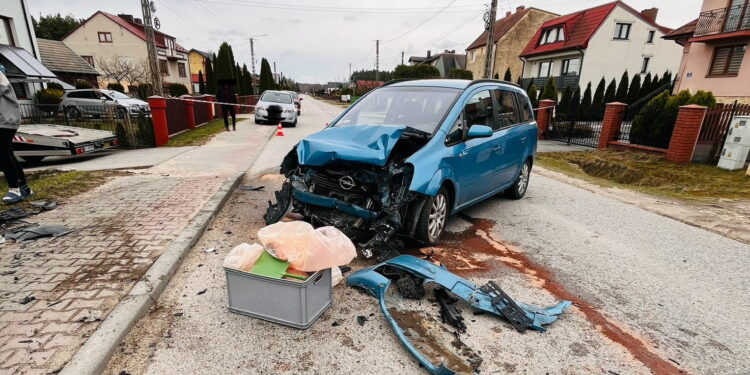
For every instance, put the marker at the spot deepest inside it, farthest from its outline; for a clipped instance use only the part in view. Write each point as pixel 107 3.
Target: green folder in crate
pixel 269 266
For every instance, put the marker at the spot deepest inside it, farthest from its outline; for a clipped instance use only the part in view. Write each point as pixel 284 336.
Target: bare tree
pixel 120 68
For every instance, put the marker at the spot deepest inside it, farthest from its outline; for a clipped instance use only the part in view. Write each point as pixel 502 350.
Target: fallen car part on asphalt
pixel 251 188
pixel 417 339
pixel 33 232
pixel 44 204
pixel 448 311
pixel 12 214
pixel 354 179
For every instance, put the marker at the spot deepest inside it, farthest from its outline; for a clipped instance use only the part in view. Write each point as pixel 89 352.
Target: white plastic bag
pixel 243 256
pixel 306 248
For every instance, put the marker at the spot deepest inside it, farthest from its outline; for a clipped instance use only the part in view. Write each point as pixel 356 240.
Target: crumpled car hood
pixel 369 144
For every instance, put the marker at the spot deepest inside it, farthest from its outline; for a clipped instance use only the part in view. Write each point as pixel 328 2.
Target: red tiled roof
pixel 368 84
pixel 502 26
pixel 579 27
pixel 685 30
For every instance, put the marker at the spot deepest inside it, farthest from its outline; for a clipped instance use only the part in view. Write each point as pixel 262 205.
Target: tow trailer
pixel 37 141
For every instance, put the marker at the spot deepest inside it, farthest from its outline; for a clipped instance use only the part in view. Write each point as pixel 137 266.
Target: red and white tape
pixel 219 103
pixel 18 138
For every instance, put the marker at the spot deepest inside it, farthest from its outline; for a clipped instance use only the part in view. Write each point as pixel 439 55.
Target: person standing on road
pixel 10 119
pixel 226 94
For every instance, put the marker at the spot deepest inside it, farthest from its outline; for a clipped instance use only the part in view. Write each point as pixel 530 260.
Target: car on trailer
pixel 34 142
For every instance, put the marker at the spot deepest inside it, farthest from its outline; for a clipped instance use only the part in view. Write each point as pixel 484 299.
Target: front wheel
pixel 73 113
pixel 432 219
pixel 518 190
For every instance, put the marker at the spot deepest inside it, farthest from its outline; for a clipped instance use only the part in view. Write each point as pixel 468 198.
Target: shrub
pixel 49 96
pixel 115 86
pixel 84 85
pixel 704 98
pixel 145 90
pixel 55 86
pixel 420 71
pixel 532 93
pixel 461 74
pixel 654 124
pixel 177 89
pixel 549 91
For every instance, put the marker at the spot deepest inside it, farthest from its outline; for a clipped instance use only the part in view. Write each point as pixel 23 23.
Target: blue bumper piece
pixel 369 144
pixel 377 285
pixel 319 200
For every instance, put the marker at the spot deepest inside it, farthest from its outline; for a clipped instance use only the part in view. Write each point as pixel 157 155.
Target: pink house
pixel 716 56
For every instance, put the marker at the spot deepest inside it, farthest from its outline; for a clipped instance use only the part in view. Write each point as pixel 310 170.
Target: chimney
pixel 650 14
pixel 520 8
pixel 429 54
pixel 126 17
pixel 508 13
pixel 138 21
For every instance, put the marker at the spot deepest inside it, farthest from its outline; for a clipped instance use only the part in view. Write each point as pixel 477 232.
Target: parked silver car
pixel 96 102
pixel 297 101
pixel 276 107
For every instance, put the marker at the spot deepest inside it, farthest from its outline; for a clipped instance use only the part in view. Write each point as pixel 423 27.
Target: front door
pixel 472 160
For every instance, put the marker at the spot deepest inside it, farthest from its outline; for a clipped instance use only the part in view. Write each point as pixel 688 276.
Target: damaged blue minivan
pixel 406 155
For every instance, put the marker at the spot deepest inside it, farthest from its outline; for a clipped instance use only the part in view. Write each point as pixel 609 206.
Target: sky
pixel 315 41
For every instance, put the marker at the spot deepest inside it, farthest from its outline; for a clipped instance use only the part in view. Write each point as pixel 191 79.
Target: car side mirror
pixel 480 131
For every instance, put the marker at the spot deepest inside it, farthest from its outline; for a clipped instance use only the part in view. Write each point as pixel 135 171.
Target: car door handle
pixel 497 148
pixel 523 139
pixel 462 154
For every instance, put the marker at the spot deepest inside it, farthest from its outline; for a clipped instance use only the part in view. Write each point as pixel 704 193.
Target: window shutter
pixel 736 60
pixel 720 60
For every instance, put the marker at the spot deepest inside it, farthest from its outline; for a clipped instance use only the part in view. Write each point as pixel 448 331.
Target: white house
pixel 19 52
pixel 604 41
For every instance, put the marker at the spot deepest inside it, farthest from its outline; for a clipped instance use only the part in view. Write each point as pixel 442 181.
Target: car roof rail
pixel 481 80
pixel 387 83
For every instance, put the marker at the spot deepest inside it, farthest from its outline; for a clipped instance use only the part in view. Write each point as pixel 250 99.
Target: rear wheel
pixel 73 113
pixel 432 218
pixel 518 190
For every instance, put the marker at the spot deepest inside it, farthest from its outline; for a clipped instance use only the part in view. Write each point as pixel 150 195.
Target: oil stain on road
pixel 475 250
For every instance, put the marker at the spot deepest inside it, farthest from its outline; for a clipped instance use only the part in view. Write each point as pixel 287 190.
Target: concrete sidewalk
pixel 55 293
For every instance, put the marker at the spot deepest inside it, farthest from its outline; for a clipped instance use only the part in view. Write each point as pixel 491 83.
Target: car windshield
pixel 117 95
pixel 420 108
pixel 276 97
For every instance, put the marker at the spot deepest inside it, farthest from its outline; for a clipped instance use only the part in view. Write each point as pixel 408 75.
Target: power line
pixel 423 22
pixel 300 7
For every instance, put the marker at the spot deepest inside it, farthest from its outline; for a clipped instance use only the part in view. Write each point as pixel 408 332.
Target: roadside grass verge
pixel 56 185
pixel 199 135
pixel 649 174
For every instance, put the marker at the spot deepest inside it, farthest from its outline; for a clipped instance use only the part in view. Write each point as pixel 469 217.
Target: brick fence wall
pixel 544 116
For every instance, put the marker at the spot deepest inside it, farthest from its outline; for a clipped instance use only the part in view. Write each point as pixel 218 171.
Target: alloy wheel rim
pixel 524 179
pixel 438 214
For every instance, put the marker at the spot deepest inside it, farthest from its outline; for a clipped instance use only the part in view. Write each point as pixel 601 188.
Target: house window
pixel 473 56
pixel 545 68
pixel 6 33
pixel 164 67
pixel 105 37
pixel 727 60
pixel 20 89
pixel 181 69
pixel 644 66
pixel 552 35
pixel 89 59
pixel 570 67
pixel 622 31
pixel 651 34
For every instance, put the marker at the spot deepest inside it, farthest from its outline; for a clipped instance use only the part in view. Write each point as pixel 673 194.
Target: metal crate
pixel 292 303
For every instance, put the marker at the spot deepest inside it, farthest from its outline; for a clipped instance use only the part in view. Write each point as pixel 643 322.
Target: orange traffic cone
pixel 279 131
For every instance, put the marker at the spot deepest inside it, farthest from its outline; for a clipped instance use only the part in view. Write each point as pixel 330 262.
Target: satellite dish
pixel 153 7
pixel 157 23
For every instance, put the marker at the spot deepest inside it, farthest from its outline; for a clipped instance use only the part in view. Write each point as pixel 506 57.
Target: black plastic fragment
pixel 448 312
pixel 507 307
pixel 276 211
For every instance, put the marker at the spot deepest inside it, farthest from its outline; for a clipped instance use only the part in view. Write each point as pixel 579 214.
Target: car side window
pixel 507 113
pixel 478 110
pixel 456 133
pixel 527 115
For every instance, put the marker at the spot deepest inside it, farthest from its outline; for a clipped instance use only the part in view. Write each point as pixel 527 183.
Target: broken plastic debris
pixel 251 188
pixel 210 250
pixel 33 232
pixel 44 204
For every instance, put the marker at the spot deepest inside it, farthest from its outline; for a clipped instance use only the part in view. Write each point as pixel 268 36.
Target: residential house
pixel 604 41
pixel 197 60
pixel 19 52
pixel 414 60
pixel 105 38
pixel 444 62
pixel 66 64
pixel 362 86
pixel 715 55
pixel 511 34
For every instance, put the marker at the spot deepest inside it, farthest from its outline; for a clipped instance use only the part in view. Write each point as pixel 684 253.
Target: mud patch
pixel 475 250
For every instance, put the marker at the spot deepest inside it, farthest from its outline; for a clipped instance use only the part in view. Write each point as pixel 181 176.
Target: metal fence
pixel 716 124
pixel 132 130
pixel 724 20
pixel 176 115
pixel 201 111
pixel 651 126
pixel 582 129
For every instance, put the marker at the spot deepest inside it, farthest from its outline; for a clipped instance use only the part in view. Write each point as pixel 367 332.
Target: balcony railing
pixel 724 20
pixel 561 82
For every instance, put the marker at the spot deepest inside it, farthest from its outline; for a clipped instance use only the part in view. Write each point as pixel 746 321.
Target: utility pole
pixel 402 57
pixel 252 50
pixel 489 25
pixel 274 71
pixel 153 59
pixel 377 59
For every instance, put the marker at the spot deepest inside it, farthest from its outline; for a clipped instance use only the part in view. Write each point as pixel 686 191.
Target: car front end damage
pixel 356 179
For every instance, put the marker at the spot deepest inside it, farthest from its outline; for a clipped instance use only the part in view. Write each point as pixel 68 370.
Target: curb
pixel 94 355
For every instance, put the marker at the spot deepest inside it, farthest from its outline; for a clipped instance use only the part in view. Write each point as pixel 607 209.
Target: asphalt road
pixel 652 295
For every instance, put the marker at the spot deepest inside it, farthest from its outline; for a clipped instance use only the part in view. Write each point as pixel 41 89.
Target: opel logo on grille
pixel 346 182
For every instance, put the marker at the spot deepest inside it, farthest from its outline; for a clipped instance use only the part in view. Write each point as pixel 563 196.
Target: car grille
pixel 330 183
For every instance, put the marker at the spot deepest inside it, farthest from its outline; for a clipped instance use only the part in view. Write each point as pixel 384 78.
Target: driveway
pixel 651 295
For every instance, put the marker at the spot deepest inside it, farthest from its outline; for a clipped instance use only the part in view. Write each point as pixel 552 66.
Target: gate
pixel 580 129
